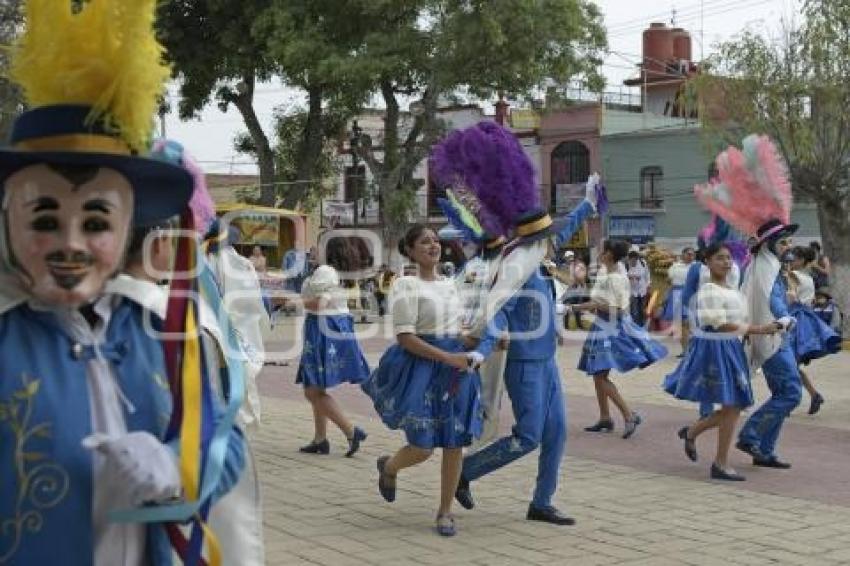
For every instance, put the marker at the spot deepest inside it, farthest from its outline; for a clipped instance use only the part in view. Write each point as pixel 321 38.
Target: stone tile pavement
pixel 326 510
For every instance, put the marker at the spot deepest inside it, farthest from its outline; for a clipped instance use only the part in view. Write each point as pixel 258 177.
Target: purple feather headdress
pixel 488 161
pixel 718 231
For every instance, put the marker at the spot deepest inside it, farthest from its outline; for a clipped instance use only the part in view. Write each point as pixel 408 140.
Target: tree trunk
pixel 244 102
pixel 309 152
pixel 835 234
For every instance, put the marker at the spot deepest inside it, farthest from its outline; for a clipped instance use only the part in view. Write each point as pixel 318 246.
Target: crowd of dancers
pixel 458 347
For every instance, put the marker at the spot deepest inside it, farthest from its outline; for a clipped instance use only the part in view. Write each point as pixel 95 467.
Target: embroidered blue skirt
pixel 434 404
pixel 811 338
pixel 714 370
pixel 331 353
pixel 672 309
pixel 618 344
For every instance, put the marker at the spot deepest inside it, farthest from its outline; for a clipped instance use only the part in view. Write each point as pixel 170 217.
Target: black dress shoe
pixel 601 426
pixel 750 449
pixel 386 482
pixel 770 462
pixel 323 448
pixel 718 473
pixel 548 515
pixel 463 494
pixel 357 437
pixel 631 425
pixel 817 401
pixel 690 444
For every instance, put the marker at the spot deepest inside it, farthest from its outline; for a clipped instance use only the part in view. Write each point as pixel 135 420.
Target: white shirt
pixel 718 305
pixel 678 273
pixel 805 288
pixel 638 279
pixel 426 307
pixel 324 283
pixel 612 289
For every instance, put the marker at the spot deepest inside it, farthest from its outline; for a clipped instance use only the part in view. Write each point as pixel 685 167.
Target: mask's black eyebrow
pixel 43 203
pixel 98 205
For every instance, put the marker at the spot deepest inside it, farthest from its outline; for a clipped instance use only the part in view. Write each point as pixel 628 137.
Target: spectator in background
pixel 638 274
pixel 383 284
pixel 821 267
pixel 577 293
pixel 826 308
pixel 258 260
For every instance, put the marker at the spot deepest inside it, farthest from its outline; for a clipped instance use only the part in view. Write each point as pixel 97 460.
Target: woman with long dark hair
pixel 715 368
pixel 424 384
pixel 614 341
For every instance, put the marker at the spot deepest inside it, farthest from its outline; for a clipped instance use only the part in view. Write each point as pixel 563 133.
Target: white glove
pixel 561 308
pixel 787 323
pixel 146 466
pixel 475 360
pixel 590 193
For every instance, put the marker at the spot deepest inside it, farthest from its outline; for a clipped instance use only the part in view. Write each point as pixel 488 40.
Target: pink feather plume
pixel 752 187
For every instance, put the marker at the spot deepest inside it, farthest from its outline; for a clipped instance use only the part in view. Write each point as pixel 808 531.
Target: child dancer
pixel 715 368
pixel 811 338
pixel 423 385
pixel 331 356
pixel 614 341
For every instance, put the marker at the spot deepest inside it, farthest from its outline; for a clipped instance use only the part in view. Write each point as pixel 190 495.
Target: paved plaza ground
pixel 637 502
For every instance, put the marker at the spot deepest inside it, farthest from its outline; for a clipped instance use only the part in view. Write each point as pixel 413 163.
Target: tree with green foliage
pixel 217 57
pixel 288 132
pixel 795 89
pixel 11 97
pixel 430 50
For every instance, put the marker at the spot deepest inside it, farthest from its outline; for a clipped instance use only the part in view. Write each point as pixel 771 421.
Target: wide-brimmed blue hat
pixel 64 135
pixel 533 225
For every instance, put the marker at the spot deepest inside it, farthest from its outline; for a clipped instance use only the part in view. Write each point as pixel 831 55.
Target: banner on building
pixel 636 229
pixel 258 229
pixel 334 212
pixel 525 119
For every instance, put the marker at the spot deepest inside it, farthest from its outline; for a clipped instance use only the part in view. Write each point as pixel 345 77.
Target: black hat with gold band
pixel 533 225
pixel 92 75
pixel 491 245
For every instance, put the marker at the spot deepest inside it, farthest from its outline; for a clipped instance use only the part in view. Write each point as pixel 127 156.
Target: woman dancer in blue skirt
pixel 331 356
pixel 423 384
pixel 811 338
pixel 715 367
pixel 614 341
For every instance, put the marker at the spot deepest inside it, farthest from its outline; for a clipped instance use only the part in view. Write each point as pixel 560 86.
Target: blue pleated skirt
pixel 672 309
pixel 811 338
pixel 434 404
pixel 331 354
pixel 618 344
pixel 714 370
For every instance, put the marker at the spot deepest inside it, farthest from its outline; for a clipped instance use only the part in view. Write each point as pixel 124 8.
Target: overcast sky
pixel 709 22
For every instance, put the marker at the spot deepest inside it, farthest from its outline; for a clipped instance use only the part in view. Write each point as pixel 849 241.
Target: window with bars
pixel 570 165
pixel 652 187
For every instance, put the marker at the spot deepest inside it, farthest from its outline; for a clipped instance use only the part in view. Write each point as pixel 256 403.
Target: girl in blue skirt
pixel 715 368
pixel 424 385
pixel 811 338
pixel 614 341
pixel 331 356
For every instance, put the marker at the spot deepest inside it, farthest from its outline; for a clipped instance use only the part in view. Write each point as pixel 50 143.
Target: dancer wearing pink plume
pixel 753 194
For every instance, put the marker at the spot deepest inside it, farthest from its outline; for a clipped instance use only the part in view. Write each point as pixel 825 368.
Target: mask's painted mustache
pixel 68 269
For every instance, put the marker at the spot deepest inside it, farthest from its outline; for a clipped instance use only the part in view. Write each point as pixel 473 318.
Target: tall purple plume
pixel 488 160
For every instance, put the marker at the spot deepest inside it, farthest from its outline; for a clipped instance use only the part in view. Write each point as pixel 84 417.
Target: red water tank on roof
pixel 681 45
pixel 657 48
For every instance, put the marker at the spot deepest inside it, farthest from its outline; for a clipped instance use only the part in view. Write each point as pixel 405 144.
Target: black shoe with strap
pixel 386 481
pixel 690 443
pixel 548 515
pixel 463 494
pixel 358 436
pixel 322 448
pixel 718 473
pixel 631 425
pixel 817 401
pixel 603 425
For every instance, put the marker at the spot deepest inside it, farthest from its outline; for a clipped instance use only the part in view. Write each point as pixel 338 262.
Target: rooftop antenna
pixel 673 16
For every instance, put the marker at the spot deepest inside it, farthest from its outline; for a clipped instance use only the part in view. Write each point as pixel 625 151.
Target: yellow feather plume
pixel 105 56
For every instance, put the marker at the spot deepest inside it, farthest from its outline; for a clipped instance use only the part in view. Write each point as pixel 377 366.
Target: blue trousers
pixel 534 388
pixel 783 378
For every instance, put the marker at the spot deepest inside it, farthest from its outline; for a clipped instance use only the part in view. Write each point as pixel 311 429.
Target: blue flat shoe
pixel 357 437
pixel 446 526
